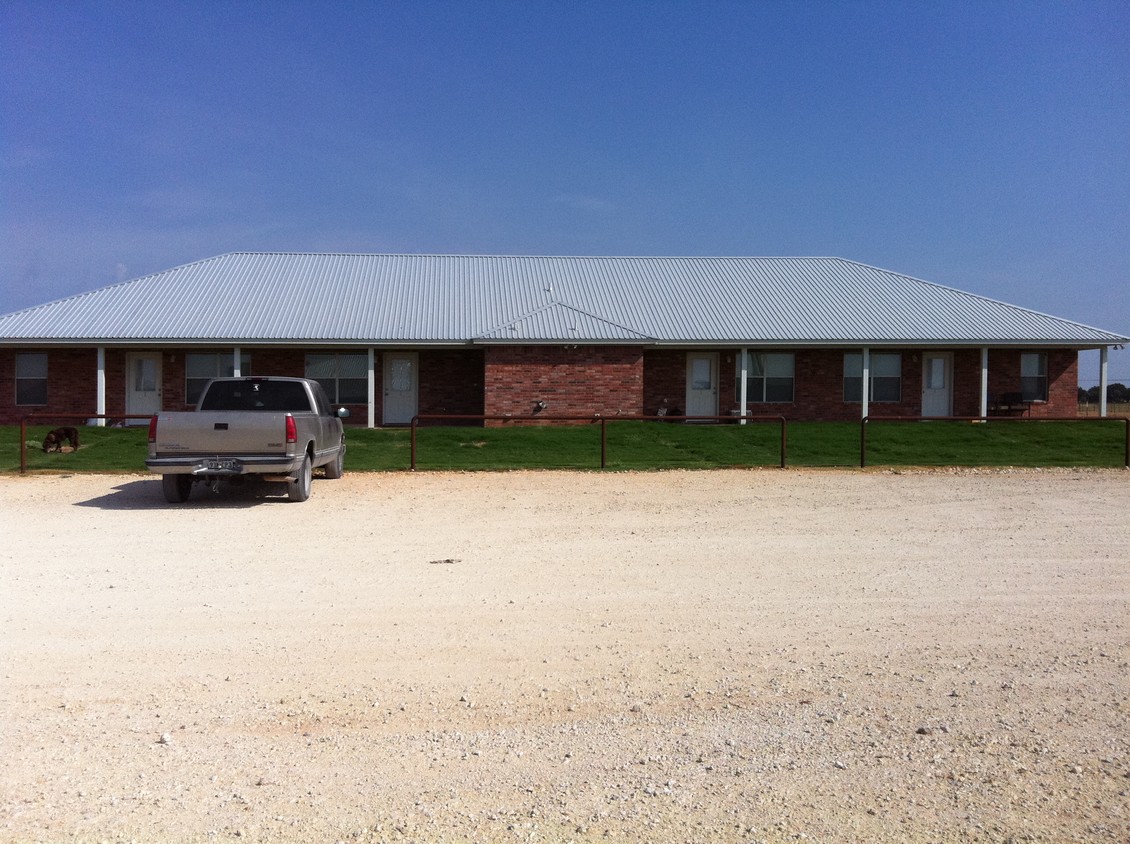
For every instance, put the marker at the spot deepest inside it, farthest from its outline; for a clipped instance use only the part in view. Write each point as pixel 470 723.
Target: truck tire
pixel 176 488
pixel 336 467
pixel 299 488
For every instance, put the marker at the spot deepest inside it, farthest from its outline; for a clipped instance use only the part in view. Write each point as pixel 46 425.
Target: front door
pixel 937 384
pixel 143 384
pixel 401 387
pixel 702 384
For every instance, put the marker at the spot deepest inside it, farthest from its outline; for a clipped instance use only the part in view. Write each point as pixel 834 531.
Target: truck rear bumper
pixel 224 466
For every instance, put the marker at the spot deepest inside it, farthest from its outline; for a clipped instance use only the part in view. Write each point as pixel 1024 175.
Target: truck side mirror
pixel 342 412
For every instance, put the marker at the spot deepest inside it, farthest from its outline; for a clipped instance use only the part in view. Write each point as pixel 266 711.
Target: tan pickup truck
pixel 276 429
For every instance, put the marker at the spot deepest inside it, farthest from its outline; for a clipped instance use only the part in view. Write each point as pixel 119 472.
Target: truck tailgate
pixel 221 432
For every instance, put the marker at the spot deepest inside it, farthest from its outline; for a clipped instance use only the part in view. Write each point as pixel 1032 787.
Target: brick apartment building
pixel 393 336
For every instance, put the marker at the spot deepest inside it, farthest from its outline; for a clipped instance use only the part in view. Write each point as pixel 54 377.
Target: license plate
pixel 222 464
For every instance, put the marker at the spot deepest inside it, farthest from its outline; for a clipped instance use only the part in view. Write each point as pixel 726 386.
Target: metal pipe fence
pixel 603 422
pixel 1028 420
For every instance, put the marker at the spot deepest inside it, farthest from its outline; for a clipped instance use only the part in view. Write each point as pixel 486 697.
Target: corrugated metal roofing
pixel 425 299
pixel 563 324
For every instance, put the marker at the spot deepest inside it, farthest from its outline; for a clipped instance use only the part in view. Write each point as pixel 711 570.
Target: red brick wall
pixel 280 362
pixel 571 381
pixel 1063 379
pixel 71 384
pixel 291 363
pixel 1063 384
pixel 967 382
pixel 818 388
pixel 818 392
pixel 664 381
pixel 9 413
pixel 172 380
pixel 451 382
pixel 581 381
pixel 729 399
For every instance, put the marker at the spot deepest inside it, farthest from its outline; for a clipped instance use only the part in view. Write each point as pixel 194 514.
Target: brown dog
pixel 54 440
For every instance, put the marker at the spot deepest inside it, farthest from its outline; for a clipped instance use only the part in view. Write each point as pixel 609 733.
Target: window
pixel 936 373
pixel 31 378
pixel 702 373
pixel 886 377
pixel 769 377
pixel 345 377
pixel 257 394
pixel 1034 376
pixel 199 369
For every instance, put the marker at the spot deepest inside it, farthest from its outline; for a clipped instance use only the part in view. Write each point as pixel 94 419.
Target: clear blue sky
pixel 982 145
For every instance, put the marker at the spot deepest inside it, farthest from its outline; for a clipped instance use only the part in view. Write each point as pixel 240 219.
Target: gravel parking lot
pixel 746 656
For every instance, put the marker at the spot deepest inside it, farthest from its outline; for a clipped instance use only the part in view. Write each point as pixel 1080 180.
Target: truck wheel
pixel 299 488
pixel 176 488
pixel 336 467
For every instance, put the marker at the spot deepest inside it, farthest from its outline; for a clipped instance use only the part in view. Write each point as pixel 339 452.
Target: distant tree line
pixel 1115 394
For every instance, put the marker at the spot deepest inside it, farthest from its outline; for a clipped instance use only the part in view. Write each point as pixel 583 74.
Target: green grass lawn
pixel 648 445
pixel 630 445
pixel 101 450
pixel 1002 443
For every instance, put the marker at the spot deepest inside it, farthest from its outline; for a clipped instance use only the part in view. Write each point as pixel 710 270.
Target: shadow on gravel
pixel 146 495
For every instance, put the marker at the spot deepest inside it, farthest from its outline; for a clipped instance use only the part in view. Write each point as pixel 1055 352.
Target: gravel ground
pixel 745 656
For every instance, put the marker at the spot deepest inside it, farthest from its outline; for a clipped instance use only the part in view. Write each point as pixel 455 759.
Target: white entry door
pixel 401 387
pixel 143 384
pixel 702 384
pixel 937 384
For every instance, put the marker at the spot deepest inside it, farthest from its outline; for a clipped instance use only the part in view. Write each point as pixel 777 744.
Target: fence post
pixel 412 462
pixel 863 442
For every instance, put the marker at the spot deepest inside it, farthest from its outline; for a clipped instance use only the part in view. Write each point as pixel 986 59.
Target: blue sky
pixel 981 145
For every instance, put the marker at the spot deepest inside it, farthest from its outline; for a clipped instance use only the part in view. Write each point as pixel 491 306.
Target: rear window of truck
pixel 256 395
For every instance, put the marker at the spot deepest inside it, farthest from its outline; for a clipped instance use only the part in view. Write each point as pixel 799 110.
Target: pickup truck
pixel 276 429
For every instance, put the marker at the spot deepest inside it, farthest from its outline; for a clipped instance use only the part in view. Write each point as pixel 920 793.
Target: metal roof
pixel 250 298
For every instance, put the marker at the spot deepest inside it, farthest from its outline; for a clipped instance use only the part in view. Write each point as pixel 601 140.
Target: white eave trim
pixel 211 342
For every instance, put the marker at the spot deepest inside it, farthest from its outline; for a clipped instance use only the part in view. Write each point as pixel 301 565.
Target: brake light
pixel 291 430
pixel 153 429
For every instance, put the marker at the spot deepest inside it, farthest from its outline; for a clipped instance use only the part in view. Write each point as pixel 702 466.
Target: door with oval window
pixel 702 384
pixel 937 384
pixel 401 387
pixel 143 385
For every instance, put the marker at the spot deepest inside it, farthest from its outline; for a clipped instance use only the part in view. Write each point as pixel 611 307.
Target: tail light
pixel 153 429
pixel 291 429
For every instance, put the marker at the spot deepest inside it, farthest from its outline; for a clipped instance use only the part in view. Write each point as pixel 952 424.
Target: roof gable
pixel 561 323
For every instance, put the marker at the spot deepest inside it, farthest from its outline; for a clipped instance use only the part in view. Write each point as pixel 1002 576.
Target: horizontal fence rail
pixel 1025 420
pixel 865 423
pixel 51 418
pixel 603 422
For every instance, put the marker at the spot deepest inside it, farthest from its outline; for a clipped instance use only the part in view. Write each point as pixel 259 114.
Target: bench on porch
pixel 1010 404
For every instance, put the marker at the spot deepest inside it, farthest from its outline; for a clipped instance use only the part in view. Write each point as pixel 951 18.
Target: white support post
pixel 743 394
pixel 372 395
pixel 235 366
pixel 984 382
pixel 100 388
pixel 1103 354
pixel 866 382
